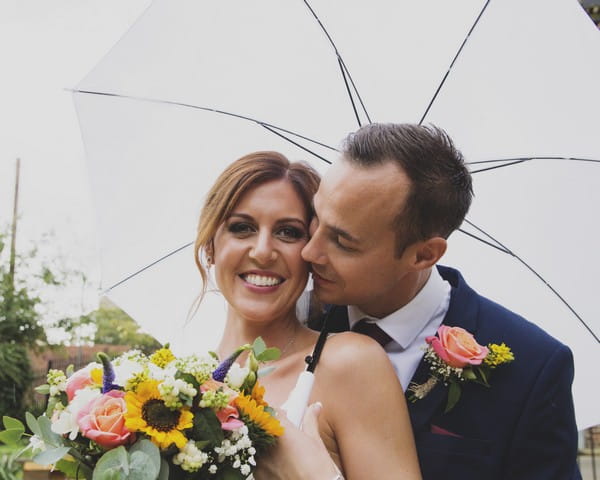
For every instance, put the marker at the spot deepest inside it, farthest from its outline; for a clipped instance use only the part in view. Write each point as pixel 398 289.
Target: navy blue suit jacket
pixel 522 427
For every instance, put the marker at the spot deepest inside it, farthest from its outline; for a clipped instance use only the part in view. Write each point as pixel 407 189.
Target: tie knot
pixel 371 329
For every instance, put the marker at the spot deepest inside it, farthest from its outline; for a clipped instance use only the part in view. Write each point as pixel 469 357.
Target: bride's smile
pixel 257 259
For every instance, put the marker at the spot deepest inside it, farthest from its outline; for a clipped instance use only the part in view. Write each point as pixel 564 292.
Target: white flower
pixel 125 369
pixel 245 469
pixel 212 469
pixel 67 419
pixel 36 443
pixel 190 458
pixel 236 376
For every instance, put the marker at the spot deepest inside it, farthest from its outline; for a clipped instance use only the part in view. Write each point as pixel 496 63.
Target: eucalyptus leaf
pixel 259 346
pixel 113 465
pixel 48 436
pixel 147 447
pixel 141 467
pixel 69 371
pixel 263 372
pixel 51 456
pixel 32 423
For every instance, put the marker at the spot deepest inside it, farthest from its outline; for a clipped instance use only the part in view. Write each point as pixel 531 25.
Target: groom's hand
pixel 299 454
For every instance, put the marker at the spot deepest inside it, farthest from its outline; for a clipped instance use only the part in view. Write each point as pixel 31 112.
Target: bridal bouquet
pixel 154 417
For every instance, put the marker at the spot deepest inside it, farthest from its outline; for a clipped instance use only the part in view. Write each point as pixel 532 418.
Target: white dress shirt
pixel 411 324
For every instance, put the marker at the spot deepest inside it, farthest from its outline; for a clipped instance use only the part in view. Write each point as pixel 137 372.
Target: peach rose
pixel 102 420
pixel 457 347
pixel 81 379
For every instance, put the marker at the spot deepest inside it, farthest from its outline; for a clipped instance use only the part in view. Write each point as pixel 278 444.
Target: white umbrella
pixel 194 85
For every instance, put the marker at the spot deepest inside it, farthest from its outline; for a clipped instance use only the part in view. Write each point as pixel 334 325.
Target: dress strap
pixel 312 360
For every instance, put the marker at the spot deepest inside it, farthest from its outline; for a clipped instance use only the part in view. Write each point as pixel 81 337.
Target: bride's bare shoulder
pixel 349 352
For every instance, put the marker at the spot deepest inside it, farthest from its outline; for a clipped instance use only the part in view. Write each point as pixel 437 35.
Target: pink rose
pixel 102 420
pixel 81 379
pixel 457 347
pixel 229 418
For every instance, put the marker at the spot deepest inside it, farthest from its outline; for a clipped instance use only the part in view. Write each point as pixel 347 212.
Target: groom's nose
pixel 313 251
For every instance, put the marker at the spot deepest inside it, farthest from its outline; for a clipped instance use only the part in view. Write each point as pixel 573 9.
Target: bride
pixel 253 226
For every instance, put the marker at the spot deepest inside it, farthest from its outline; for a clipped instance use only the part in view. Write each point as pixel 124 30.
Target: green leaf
pixel 453 396
pixel 11 423
pixel 113 465
pixel 32 423
pixel 164 470
pixel 229 473
pixel 272 353
pixel 258 346
pixel 43 389
pixel 51 456
pixel 149 449
pixel 469 374
pixel 207 427
pixel 69 371
pixel 73 469
pixel 11 436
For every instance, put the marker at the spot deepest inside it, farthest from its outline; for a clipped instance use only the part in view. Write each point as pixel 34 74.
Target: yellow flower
pixel 258 393
pixel 162 357
pixel 96 375
pixel 498 355
pixel 257 415
pixel 147 412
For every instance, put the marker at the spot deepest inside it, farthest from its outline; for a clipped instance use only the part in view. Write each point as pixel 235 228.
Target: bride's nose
pixel 263 251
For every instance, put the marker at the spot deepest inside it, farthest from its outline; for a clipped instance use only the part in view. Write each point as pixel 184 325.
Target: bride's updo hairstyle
pixel 237 179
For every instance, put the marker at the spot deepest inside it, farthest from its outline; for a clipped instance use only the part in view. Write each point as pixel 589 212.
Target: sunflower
pixel 258 394
pixel 256 414
pixel 147 412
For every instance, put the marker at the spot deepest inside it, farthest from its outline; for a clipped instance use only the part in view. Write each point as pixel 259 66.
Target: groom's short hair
pixel 441 188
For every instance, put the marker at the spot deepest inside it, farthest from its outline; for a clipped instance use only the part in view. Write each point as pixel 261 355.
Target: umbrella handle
pixel 295 405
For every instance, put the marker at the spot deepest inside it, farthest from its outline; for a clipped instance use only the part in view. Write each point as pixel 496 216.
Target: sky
pixel 47 47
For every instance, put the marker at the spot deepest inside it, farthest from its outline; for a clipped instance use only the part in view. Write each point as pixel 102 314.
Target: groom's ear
pixel 426 253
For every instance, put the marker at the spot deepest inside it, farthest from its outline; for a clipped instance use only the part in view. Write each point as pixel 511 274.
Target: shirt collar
pixel 406 323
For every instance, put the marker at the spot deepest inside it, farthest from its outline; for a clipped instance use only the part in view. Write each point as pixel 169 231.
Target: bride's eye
pixel 290 233
pixel 240 228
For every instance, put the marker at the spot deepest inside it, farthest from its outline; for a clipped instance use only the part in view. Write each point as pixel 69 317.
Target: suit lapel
pixel 462 312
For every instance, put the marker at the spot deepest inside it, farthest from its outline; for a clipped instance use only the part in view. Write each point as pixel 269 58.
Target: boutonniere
pixel 455 357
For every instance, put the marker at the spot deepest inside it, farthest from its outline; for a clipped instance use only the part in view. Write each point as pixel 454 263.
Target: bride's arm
pixel 364 410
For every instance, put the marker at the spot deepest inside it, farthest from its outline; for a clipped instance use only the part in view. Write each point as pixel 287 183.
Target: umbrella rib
pixel 206 109
pixel 525 159
pixel 532 270
pixel 295 143
pixel 349 93
pixel 453 62
pixel 150 265
pixel 343 67
pixel 498 166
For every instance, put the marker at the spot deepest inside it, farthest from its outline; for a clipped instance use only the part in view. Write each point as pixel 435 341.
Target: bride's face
pixel 256 254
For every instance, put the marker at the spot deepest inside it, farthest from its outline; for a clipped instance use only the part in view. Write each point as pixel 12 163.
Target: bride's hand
pixel 299 453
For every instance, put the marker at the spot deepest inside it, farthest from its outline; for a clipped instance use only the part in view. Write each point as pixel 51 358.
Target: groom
pixel 383 213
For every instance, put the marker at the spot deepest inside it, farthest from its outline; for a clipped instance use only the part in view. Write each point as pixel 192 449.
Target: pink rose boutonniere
pixel 455 357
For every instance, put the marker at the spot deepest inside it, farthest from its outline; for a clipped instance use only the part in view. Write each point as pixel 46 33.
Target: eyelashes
pixel 287 233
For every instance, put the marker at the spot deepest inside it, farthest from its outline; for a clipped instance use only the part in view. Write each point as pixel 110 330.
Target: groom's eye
pixel 338 240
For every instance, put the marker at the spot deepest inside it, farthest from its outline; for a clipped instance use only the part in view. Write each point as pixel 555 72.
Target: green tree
pixel 112 327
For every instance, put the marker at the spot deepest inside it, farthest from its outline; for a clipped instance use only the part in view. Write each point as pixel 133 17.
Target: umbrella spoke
pixel 499 246
pixel 460 49
pixel 272 128
pixel 344 71
pixel 150 265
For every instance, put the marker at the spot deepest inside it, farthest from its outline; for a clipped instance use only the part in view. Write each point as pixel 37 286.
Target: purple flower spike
pixel 221 371
pixel 108 375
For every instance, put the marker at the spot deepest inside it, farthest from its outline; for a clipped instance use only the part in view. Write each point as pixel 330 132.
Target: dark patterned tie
pixel 372 330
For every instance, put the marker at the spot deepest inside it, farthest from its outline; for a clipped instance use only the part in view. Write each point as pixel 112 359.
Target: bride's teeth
pixel 261 281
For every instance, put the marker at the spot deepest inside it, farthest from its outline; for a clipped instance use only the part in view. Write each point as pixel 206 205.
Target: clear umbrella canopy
pixel 194 85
